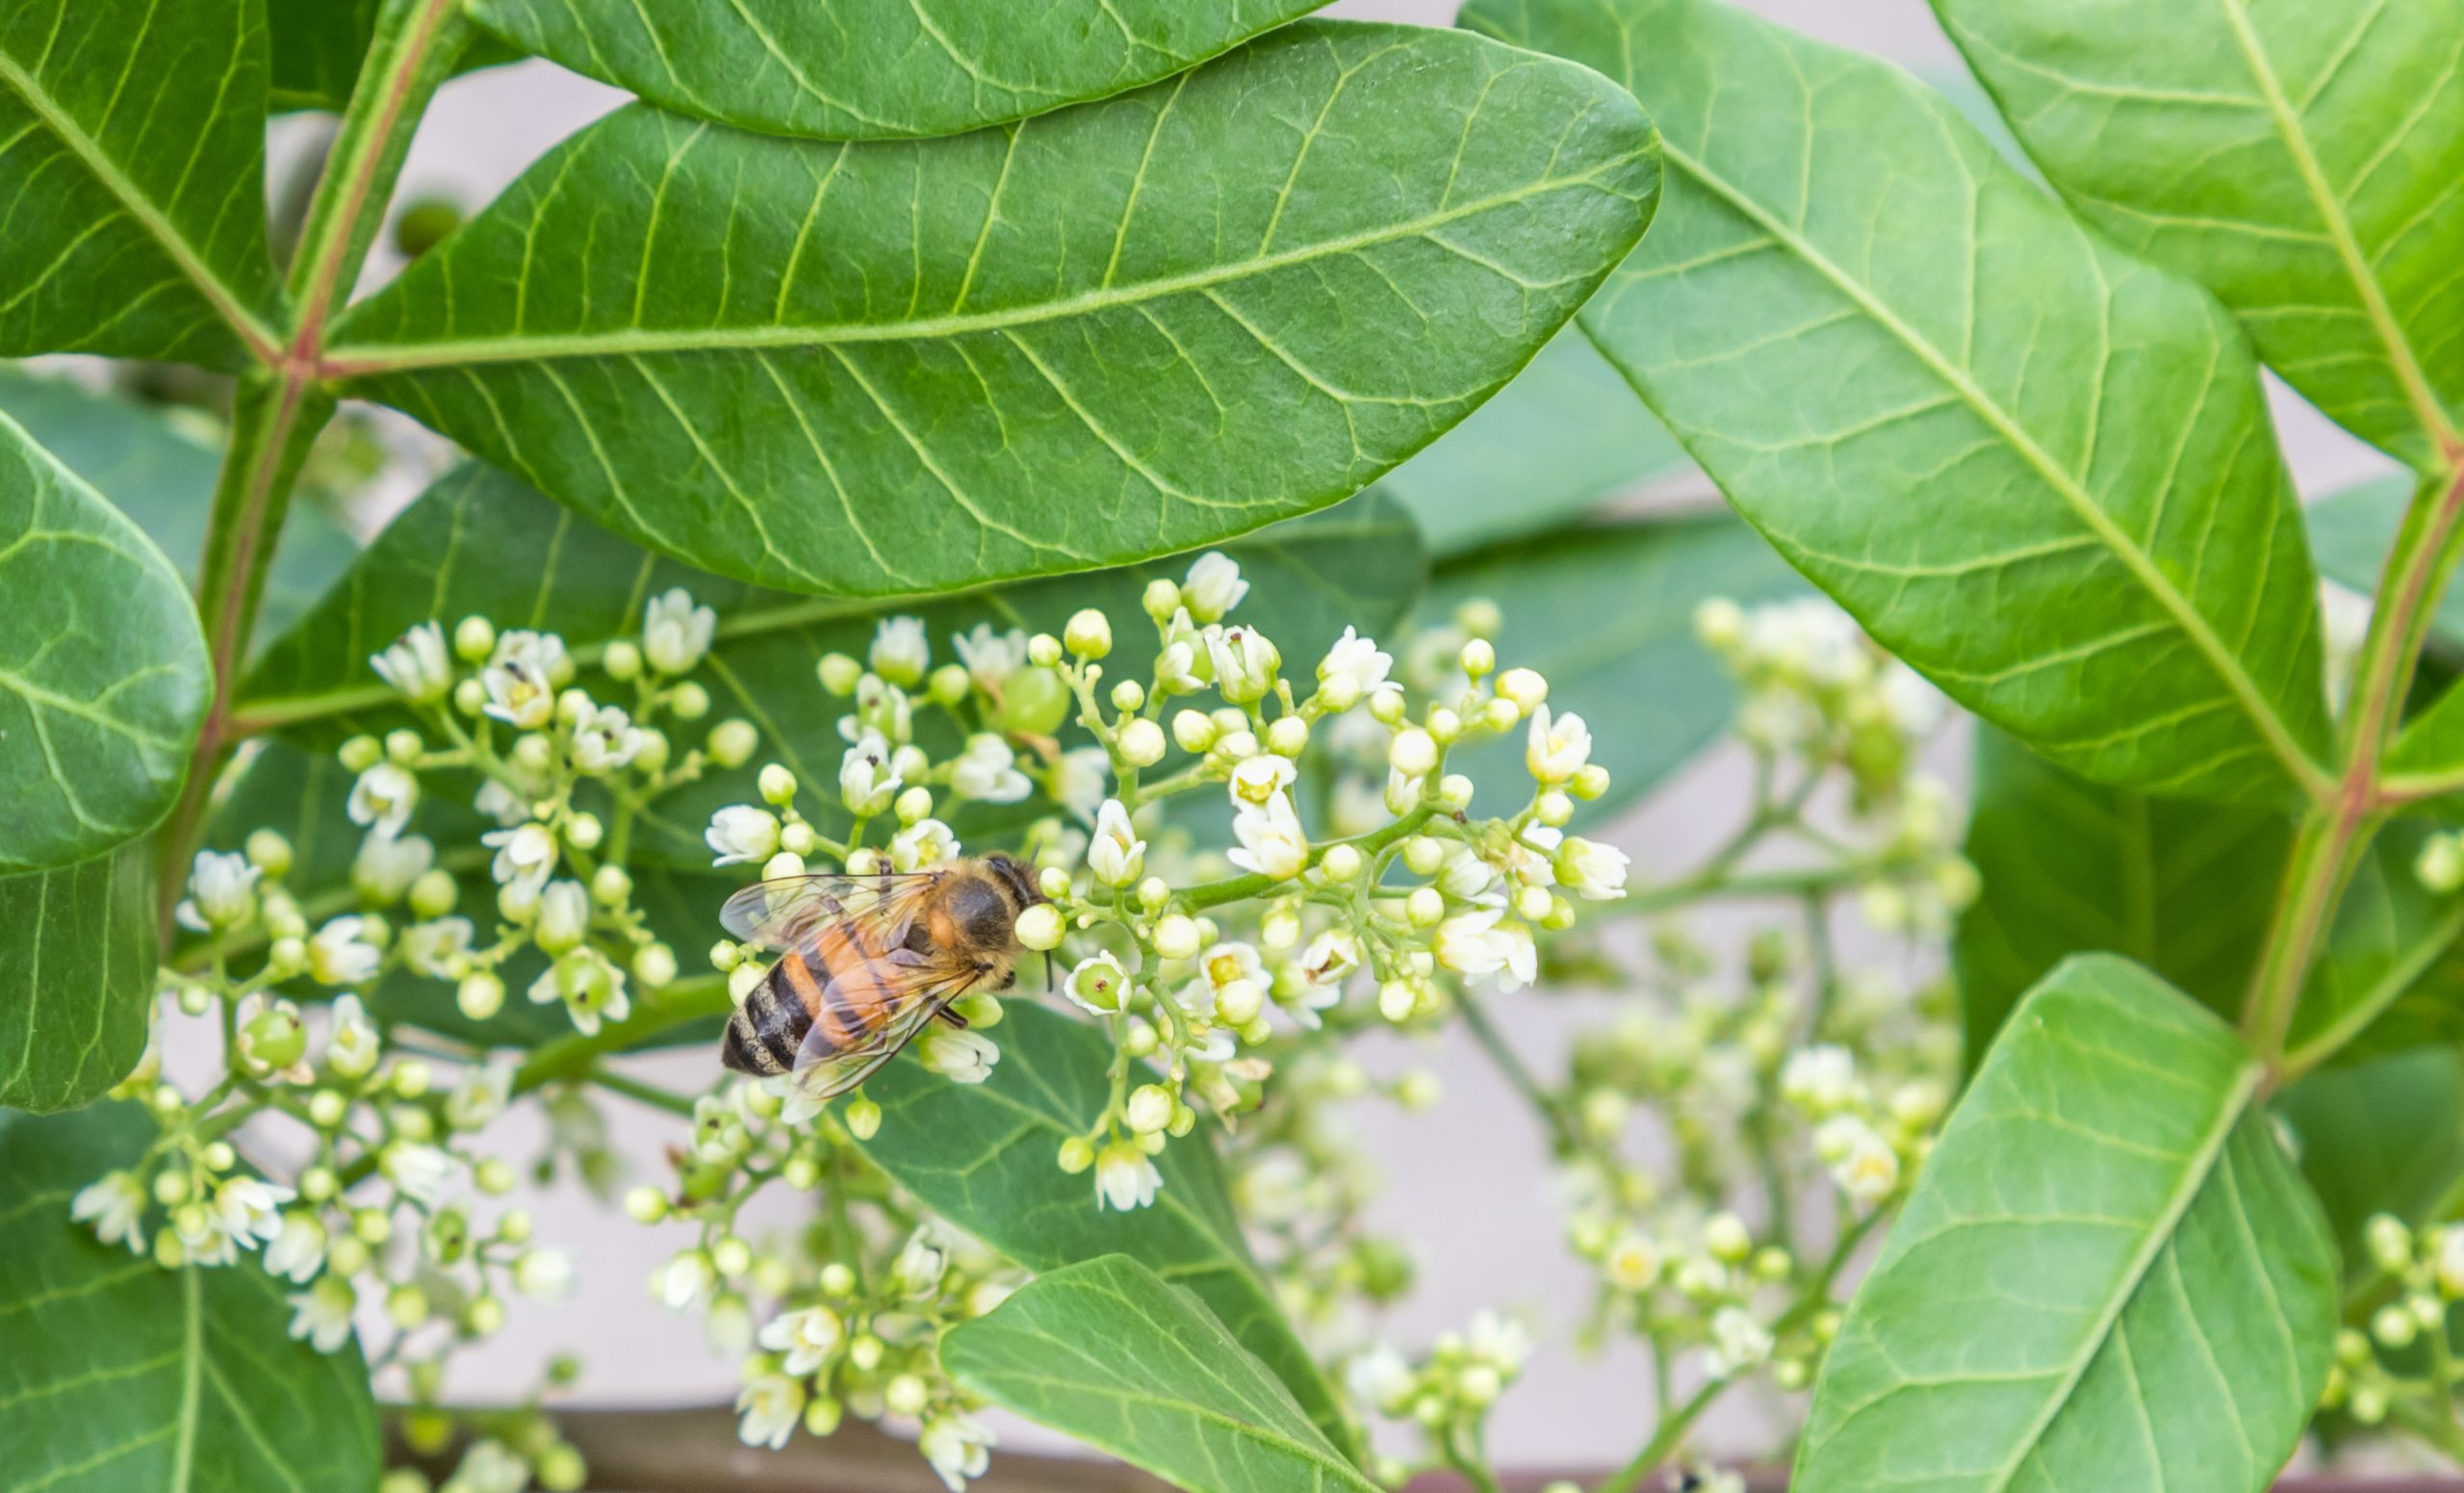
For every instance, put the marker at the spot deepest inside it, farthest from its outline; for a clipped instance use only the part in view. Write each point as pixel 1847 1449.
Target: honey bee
pixel 864 962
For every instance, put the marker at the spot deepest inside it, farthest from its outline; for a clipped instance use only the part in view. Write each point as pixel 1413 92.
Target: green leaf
pixel 161 474
pixel 320 45
pixel 1123 331
pixel 1110 1353
pixel 2067 866
pixel 1606 615
pixel 76 978
pixel 103 673
pixel 2299 158
pixel 983 1156
pixel 2107 1275
pixel 132 145
pixel 2385 1136
pixel 2351 530
pixel 1566 434
pixel 874 70
pixel 2387 975
pixel 123 1376
pixel 2036 468
pixel 480 541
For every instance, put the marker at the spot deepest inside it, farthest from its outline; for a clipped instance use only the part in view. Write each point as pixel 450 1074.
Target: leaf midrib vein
pixel 2228 669
pixel 348 360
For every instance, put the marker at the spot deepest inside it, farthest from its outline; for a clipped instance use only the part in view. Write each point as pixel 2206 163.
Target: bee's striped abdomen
pixel 766 1033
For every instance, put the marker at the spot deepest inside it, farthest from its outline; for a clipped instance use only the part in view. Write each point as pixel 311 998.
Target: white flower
pixel 1479 944
pixel 685 1279
pixel 526 856
pixel 1116 856
pixel 1632 1263
pixel 1257 779
pixel 1463 876
pixel 272 1044
pixel 421 1171
pixel 1911 701
pixel 113 1205
pixel 1738 1343
pixel 1352 669
pixel 958 1448
pixel 338 955
pixel 489 1466
pixel 1214 586
pixel 961 1057
pixel 299 1251
pixel 1592 871
pixel 564 917
pixel 591 987
pixel 384 797
pixel 202 1239
pixel 1331 957
pixel 990 657
pixel 416 665
pixel 1245 662
pixel 1079 779
pixel 1557 747
pixel 675 632
pixel 1521 955
pixel 544 1275
pixel 769 1408
pixel 352 1044
pixel 248 1211
pixel 1502 1342
pixel 501 804
pixel 1222 968
pixel 479 1095
pixel 987 770
pixel 901 652
pixel 1098 984
pixel 808 1338
pixel 385 866
pixel 1125 1179
pixel 520 679
pixel 1176 666
pixel 1272 843
pixel 925 843
pixel 921 1262
pixel 222 892
pixel 1862 1162
pixel 741 833
pixel 868 778
pixel 1820 1080
pixel 433 949
pixel 1380 1378
pixel 321 1315
pixel 604 740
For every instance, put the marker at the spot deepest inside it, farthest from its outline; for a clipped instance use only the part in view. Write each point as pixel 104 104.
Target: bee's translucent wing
pixel 789 913
pixel 870 1011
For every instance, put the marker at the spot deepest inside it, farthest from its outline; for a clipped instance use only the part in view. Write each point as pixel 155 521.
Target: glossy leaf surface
pixel 1852 312
pixel 2298 156
pixel 76 978
pixel 103 672
pixel 132 174
pixel 1111 1353
pixel 981 1155
pixel 2385 1136
pixel 872 69
pixel 1122 331
pixel 126 1377
pixel 2109 1275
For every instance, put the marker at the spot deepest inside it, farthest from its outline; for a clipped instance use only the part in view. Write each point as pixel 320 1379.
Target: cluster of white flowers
pixel 849 1313
pixel 2420 1276
pixel 1447 1392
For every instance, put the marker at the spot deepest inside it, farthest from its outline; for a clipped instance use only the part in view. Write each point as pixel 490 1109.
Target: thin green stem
pixel 639 1092
pixel 1234 888
pixel 1562 1125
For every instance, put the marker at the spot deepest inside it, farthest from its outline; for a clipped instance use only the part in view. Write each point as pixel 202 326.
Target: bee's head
pixel 1016 880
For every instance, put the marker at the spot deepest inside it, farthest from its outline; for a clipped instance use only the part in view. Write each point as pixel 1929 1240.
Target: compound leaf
pixel 874 70
pixel 1126 329
pixel 2109 1275
pixel 2039 470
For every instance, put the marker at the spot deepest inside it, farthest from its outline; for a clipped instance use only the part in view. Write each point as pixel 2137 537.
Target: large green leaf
pixel 124 1378
pixel 103 673
pixel 480 541
pixel 161 477
pixel 1122 331
pixel 2385 1136
pixel 1567 433
pixel 76 978
pixel 2036 468
pixel 132 174
pixel 2299 156
pixel 873 70
pixel 2187 888
pixel 1606 615
pixel 983 1156
pixel 1109 1352
pixel 2109 1275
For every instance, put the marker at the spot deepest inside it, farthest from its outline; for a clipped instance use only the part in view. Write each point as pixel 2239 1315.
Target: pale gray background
pixel 1463 1183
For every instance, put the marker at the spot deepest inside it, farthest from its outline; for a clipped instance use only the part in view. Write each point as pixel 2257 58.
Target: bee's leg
pixel 952 1017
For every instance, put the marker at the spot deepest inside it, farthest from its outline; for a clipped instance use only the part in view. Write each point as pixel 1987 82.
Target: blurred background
pixel 1462 1183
